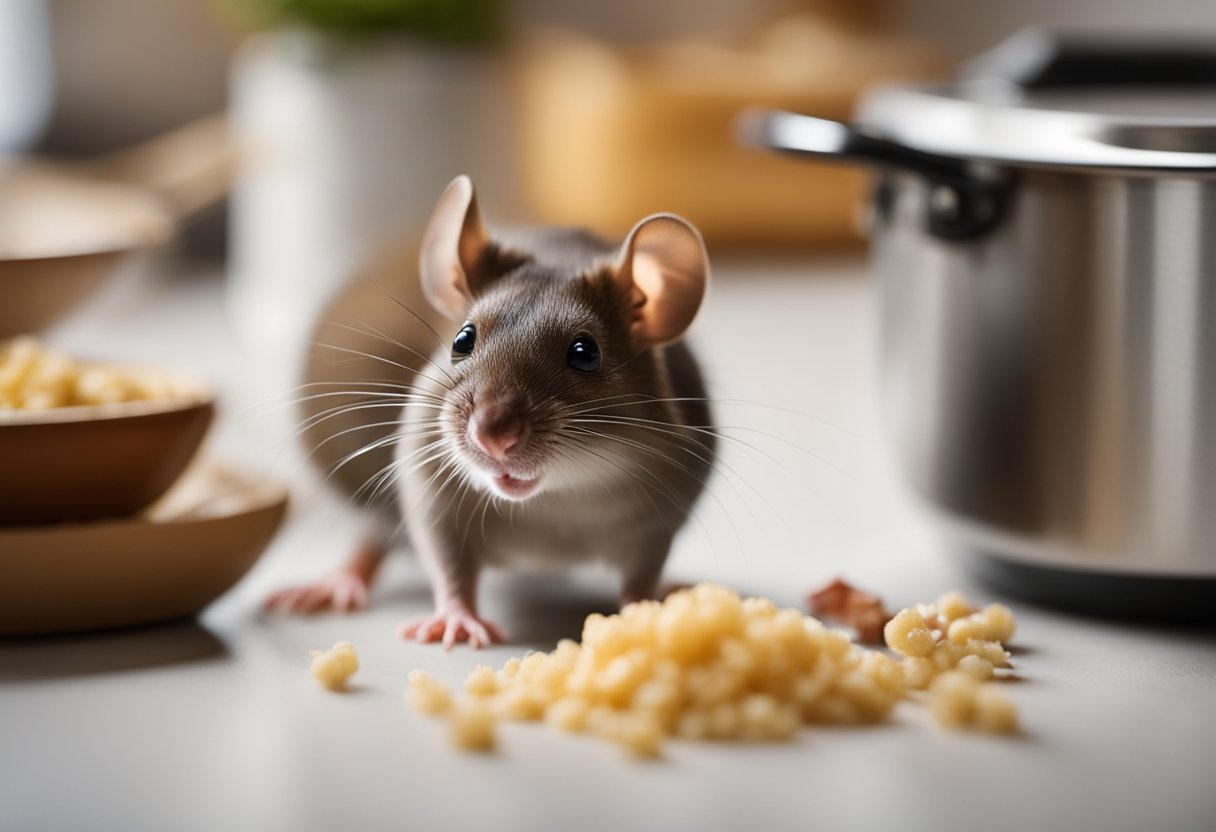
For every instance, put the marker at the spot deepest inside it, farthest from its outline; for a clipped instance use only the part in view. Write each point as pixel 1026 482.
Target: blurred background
pixel 238 160
pixel 264 151
pixel 341 120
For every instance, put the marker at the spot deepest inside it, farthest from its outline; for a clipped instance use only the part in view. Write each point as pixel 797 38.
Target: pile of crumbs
pixel 34 377
pixel 706 664
pixel 954 649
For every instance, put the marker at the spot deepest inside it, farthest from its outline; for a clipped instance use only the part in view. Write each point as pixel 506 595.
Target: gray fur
pixel 619 499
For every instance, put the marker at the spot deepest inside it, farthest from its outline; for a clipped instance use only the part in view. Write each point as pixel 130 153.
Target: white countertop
pixel 217 725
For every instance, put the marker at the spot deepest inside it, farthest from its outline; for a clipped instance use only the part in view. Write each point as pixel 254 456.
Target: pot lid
pixel 1044 99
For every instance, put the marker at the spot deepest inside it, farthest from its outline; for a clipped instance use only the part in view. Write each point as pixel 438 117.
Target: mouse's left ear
pixel 458 258
pixel 664 263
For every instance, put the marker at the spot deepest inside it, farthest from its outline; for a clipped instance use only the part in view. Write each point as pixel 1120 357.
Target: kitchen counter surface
pixel 217 724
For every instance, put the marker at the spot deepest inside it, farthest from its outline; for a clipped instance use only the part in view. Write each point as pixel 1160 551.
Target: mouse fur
pixel 508 455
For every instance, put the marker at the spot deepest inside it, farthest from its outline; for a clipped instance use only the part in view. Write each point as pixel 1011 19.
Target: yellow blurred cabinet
pixel 608 135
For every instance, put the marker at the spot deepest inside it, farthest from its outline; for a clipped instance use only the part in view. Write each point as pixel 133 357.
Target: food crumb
pixel 949 635
pixel 568 714
pixel 959 700
pixel 427 695
pixel 954 650
pixel 473 725
pixel 952 699
pixel 34 377
pixel 908 634
pixel 483 681
pixel 856 608
pixel 995 711
pixel 334 667
pixel 976 667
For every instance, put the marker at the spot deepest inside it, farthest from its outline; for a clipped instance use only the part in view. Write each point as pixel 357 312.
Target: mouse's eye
pixel 462 345
pixel 584 354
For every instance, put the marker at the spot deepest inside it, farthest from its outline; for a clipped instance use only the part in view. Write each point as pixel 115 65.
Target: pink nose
pixel 496 434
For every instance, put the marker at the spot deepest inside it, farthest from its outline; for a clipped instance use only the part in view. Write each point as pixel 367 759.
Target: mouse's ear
pixel 666 268
pixel 458 258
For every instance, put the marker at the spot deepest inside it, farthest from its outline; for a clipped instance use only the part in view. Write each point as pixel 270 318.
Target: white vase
pixel 25 73
pixel 344 147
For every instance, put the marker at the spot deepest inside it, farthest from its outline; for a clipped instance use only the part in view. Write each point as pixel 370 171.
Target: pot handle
pixel 961 204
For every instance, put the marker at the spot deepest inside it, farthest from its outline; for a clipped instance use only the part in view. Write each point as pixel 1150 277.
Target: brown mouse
pixel 558 420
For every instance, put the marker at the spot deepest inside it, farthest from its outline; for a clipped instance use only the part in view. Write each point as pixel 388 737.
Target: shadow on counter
pixel 38 658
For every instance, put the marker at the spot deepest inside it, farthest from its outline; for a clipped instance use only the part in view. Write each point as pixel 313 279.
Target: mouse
pixel 519 398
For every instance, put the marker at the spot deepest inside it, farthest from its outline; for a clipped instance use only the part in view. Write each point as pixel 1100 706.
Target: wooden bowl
pixel 75 464
pixel 167 564
pixel 61 236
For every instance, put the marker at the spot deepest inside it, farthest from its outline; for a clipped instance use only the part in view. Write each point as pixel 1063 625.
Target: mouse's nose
pixel 496 430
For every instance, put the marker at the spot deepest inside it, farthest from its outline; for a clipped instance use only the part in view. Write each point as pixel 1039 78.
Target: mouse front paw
pixel 341 591
pixel 452 623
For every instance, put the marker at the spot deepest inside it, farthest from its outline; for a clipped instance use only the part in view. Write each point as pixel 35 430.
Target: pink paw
pixel 340 591
pixel 452 624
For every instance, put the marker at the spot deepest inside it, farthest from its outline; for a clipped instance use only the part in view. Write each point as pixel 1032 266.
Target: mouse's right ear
pixel 664 268
pixel 457 252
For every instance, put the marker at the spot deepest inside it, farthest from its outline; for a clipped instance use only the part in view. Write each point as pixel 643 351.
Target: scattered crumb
pixel 334 667
pixel 483 681
pixel 863 611
pixel 995 711
pixel 958 700
pixel 473 725
pixel 426 695
pixel 976 666
pixel 952 699
pixel 909 635
pixel 952 649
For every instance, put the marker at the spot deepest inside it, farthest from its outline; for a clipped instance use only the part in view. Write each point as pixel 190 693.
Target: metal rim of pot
pixel 968 139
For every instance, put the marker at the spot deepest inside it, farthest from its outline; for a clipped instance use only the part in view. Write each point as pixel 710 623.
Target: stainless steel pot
pixel 1045 235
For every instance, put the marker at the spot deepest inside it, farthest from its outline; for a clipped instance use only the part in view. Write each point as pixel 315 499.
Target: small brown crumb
pixel 861 610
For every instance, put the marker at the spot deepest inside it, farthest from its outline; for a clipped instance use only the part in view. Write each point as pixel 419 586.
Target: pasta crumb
pixel 908 634
pixel 34 377
pixel 473 725
pixel 426 695
pixel 950 635
pixel 995 711
pixel 334 667
pixel 958 700
pixel 482 681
